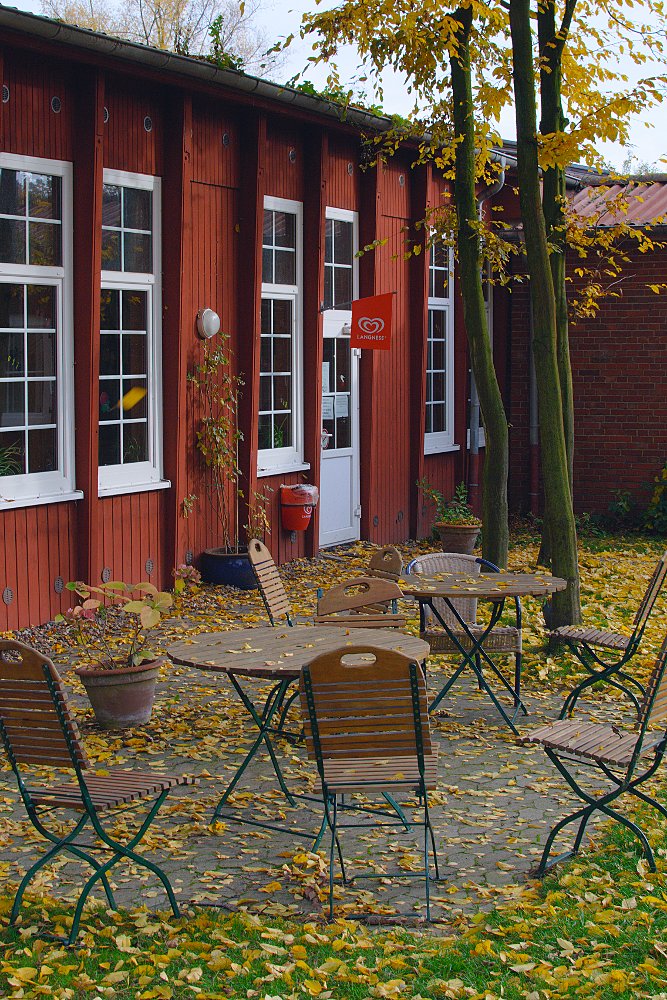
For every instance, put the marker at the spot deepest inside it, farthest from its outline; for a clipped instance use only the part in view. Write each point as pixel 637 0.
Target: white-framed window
pixel 130 381
pixel 36 348
pixel 439 427
pixel 280 427
pixel 341 287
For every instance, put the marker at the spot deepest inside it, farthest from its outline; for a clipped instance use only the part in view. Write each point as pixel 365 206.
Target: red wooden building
pixel 138 187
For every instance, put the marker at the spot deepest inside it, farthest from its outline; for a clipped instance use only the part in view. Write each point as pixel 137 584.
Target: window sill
pixel 114 491
pixel 39 501
pixel 283 470
pixel 445 450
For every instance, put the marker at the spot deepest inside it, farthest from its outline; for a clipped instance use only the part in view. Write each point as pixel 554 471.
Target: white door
pixel 340 512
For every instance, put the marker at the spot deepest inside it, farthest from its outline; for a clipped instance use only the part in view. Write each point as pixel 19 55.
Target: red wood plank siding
pixel 127 144
pixel 315 201
pixel 343 172
pixel 178 323
pixel 132 532
pixel 216 148
pixel 87 279
pixel 30 126
pixel 36 547
pixel 284 163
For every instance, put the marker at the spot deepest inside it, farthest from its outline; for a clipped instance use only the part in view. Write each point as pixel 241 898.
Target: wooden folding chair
pixel 626 759
pixel 367 727
pixel 361 603
pixel 38 731
pixel 387 563
pixel 585 643
pixel 501 638
pixel 275 598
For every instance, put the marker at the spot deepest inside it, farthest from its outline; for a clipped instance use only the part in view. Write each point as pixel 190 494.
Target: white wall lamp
pixel 208 323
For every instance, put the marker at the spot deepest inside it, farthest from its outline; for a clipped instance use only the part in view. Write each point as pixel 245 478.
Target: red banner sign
pixel 371 322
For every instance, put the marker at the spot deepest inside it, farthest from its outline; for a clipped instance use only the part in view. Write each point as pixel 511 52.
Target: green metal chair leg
pixel 41 863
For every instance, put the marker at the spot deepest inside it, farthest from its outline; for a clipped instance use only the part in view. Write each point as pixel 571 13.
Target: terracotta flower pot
pixel 457 537
pixel 121 698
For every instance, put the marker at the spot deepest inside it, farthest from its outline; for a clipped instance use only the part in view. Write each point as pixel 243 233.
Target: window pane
pixel 12 241
pixel 264 432
pixel 11 305
pixel 12 191
pixel 342 364
pixel 44 197
pixel 135 361
pixel 109 310
pixel 328 241
pixel 11 354
pixel 342 242
pixel 138 253
pixel 109 445
pixel 282 354
pixel 135 443
pixel 137 212
pixel 44 244
pixel 328 288
pixel 438 387
pixel 439 290
pixel 135 310
pixel 266 316
pixel 282 316
pixel 267 266
pixel 41 307
pixel 42 450
pixel 265 393
pixel 439 255
pixel 109 398
pixel 111 205
pixel 282 392
pixel 343 288
pixel 329 347
pixel 439 423
pixel 285 229
pixel 282 431
pixel 429 419
pixel 110 354
pixel 438 326
pixel 12 404
pixel 12 453
pixel 110 250
pixel 438 355
pixel 265 354
pixel 268 228
pixel 41 403
pixel 42 354
pixel 285 267
pixel 134 402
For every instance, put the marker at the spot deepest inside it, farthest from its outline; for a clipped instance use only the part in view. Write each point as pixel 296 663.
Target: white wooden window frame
pixel 346 215
pixel 437 442
pixel 272 461
pixel 33 488
pixel 136 477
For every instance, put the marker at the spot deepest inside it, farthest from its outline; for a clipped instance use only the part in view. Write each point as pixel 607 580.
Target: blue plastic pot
pixel 232 569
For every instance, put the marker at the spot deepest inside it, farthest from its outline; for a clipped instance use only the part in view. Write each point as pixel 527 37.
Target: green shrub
pixel 655 518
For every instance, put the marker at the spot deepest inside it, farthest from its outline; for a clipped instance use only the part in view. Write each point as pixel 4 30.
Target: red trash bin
pixel 296 505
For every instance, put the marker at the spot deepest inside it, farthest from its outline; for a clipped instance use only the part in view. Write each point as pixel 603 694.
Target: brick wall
pixel 619 364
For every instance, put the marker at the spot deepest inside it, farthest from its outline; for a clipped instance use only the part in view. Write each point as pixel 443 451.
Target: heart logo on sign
pixel 368 325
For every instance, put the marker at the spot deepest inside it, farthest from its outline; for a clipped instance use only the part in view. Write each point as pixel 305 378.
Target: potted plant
pixel 111 625
pixel 218 440
pixel 455 522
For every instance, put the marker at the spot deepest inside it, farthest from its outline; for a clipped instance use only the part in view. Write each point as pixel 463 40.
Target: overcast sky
pixel 279 19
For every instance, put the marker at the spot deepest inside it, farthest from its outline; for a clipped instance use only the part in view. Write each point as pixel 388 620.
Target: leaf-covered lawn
pixel 595 928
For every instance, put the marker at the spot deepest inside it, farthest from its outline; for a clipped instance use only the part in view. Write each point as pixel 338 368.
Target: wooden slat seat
pixel 38 731
pixel 596 636
pixel 501 639
pixel 590 643
pixel 386 564
pixel 361 603
pixel 377 774
pixel 115 789
pixel 625 761
pixel 270 584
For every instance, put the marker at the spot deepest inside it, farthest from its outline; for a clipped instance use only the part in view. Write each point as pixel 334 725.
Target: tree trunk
pixel 495 538
pixel 558 498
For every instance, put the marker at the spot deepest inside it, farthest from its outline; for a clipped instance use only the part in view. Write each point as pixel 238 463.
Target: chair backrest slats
pixel 387 563
pixel 654 705
pixel 652 591
pixel 450 562
pixel 270 585
pixel 364 704
pixel 362 593
pixel 35 720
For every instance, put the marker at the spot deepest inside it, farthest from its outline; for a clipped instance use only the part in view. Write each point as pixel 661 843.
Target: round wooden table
pixel 275 654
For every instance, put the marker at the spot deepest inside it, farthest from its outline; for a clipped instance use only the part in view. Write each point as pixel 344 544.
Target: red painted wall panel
pixel 131 535
pixel 284 162
pixel 216 152
pixel 342 181
pixel 29 124
pixel 127 143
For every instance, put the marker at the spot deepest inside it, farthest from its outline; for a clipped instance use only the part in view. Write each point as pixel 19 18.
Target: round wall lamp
pixel 208 323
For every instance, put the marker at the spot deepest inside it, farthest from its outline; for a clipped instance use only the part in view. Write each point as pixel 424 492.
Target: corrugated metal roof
pixel 645 200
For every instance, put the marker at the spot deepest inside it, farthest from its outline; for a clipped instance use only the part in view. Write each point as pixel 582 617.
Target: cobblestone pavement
pixel 494 804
